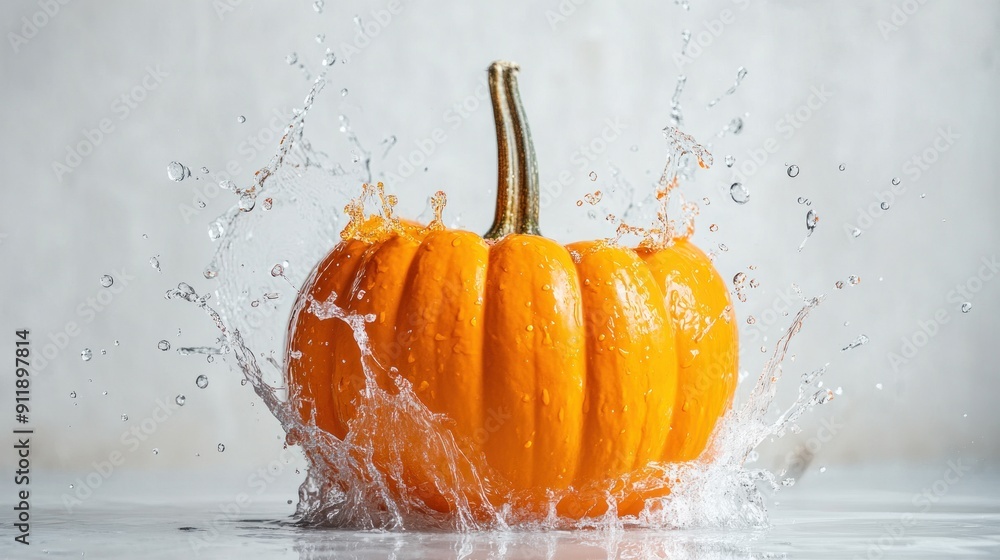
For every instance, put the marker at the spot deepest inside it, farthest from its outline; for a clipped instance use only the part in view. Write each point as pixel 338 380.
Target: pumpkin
pixel 562 366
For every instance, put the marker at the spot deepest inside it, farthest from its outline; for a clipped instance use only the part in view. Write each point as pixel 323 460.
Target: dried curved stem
pixel 517 169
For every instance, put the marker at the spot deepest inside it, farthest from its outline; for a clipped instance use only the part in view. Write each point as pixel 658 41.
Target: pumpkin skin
pixel 559 366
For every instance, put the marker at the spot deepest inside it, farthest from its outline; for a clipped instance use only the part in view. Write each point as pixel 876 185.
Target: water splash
pixel 359 481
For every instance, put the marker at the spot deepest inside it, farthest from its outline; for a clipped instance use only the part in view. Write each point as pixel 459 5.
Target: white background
pixel 892 87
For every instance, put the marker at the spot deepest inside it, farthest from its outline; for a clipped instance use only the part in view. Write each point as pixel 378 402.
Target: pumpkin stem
pixel 517 170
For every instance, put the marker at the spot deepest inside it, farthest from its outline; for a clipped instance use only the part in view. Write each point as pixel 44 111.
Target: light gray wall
pixel 890 92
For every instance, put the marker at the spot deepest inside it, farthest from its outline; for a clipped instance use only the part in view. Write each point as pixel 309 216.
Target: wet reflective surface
pixel 840 513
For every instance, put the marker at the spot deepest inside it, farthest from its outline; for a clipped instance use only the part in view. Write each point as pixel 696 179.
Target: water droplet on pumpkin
pixel 86 354
pixel 201 381
pixel 739 193
pixel 180 400
pixel 163 345
pixel 793 170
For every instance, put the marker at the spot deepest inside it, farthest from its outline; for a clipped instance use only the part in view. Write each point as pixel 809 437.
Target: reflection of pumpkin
pixel 563 365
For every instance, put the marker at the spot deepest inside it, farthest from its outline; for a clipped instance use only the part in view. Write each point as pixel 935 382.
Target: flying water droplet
pixel 343 92
pixel 86 354
pixel 730 160
pixel 895 180
pixel 842 167
pixel 739 193
pixel 107 281
pixel 221 448
pixel 72 394
pixel 966 307
pixel 155 263
pixel 215 230
pixel 201 381
pixel 180 400
pixel 124 417
pixel 593 176
pixel 329 58
pixel 241 119
pixel 292 58
pixel 177 172
pixel 156 451
pixel 277 270
pixel 856 232
pixel 853 280
pixel 247 202
pixel 884 205
pixel 793 170
pixel 163 345
pixel 812 220
pixel 860 341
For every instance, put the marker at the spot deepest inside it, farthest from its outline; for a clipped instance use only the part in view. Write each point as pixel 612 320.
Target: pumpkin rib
pixel 311 374
pixel 627 334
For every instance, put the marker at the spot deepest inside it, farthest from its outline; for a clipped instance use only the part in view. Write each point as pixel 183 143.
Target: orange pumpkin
pixel 562 366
